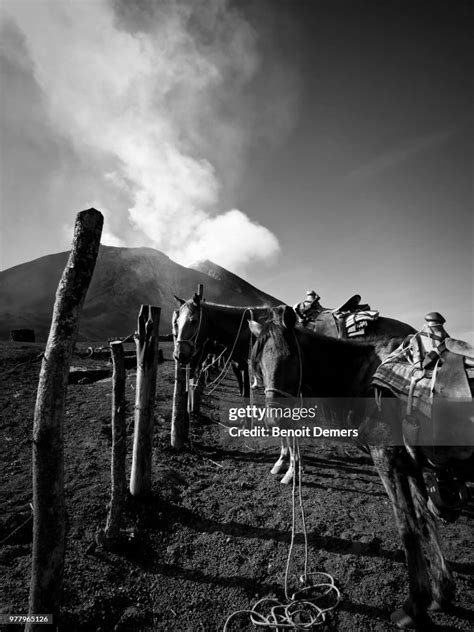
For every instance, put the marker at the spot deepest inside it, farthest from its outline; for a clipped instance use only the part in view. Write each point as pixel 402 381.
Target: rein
pixel 192 341
pixel 229 359
pixel 301 610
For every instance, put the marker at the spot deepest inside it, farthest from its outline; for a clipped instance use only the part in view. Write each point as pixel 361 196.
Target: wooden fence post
pixel 180 415
pixel 48 457
pixel 196 385
pixel 147 339
pixel 119 447
pixel 196 388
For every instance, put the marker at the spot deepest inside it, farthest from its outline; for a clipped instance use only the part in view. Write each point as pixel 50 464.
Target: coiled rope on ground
pixel 306 608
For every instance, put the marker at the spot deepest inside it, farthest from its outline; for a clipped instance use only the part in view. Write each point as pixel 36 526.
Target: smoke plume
pixel 158 92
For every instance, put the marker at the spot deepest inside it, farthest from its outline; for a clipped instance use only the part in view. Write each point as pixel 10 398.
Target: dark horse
pixel 290 362
pixel 385 334
pixel 198 324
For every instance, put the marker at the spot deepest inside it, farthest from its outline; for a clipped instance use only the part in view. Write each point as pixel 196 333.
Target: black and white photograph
pixel 236 315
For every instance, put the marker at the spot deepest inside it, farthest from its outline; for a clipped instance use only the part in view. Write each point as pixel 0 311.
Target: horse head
pixel 185 326
pixel 276 357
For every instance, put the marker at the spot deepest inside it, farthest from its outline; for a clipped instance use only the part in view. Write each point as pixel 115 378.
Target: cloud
pixel 399 154
pixel 232 236
pixel 155 94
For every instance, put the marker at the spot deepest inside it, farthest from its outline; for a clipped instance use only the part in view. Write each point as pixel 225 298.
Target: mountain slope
pixel 124 278
pixel 234 283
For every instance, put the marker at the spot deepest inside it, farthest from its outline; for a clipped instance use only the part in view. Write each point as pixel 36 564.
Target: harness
pixel 273 389
pixel 192 341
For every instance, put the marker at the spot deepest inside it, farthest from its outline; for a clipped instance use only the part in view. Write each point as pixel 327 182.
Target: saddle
pixel 351 305
pixel 432 374
pixel 433 377
pixel 352 318
pixel 459 347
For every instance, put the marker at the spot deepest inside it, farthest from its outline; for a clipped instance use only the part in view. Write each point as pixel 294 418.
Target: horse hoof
pixel 275 470
pixel 440 605
pixel 405 621
pixel 286 479
pixel 402 619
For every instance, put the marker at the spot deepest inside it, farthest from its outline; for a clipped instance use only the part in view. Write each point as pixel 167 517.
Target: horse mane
pixel 230 309
pixel 236 308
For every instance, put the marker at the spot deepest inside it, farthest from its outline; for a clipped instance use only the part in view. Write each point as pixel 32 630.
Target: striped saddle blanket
pixel 356 322
pixel 437 388
pixel 409 371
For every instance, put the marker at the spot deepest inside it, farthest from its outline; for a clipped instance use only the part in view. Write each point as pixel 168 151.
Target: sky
pixel 303 144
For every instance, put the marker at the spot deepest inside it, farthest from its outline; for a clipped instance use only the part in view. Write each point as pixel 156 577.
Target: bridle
pixel 192 342
pixel 278 391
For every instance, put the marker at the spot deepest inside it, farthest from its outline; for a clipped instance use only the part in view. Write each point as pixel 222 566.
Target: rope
pixel 208 366
pixel 219 379
pixel 192 341
pixel 401 351
pixel 300 380
pixel 250 374
pixel 301 612
pixel 12 533
pixel 227 364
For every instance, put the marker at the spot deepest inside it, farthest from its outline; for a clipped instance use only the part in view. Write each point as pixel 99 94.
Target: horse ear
pixel 278 313
pixel 174 322
pixel 179 300
pixel 196 299
pixel 255 327
pixel 284 315
pixel 288 317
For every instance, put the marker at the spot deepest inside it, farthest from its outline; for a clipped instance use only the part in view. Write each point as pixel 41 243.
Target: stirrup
pixel 447 494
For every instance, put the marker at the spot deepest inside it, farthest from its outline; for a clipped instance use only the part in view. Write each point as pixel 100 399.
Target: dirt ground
pixel 214 536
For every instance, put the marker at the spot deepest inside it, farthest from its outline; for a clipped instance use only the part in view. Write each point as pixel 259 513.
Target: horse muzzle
pixel 183 351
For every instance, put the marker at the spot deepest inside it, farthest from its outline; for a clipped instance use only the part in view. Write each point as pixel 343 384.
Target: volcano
pixel 124 278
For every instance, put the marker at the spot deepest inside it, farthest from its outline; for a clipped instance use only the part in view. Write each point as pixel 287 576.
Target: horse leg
pixel 443 584
pixel 238 376
pixel 246 381
pixel 292 467
pixel 283 458
pixel 413 614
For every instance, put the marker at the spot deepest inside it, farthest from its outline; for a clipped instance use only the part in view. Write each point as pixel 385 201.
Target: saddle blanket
pixel 356 322
pixel 398 373
pixel 438 395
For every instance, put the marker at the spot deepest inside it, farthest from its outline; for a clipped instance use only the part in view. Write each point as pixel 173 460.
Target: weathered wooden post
pixel 180 415
pixel 196 388
pixel 196 385
pixel 48 458
pixel 147 339
pixel 119 447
